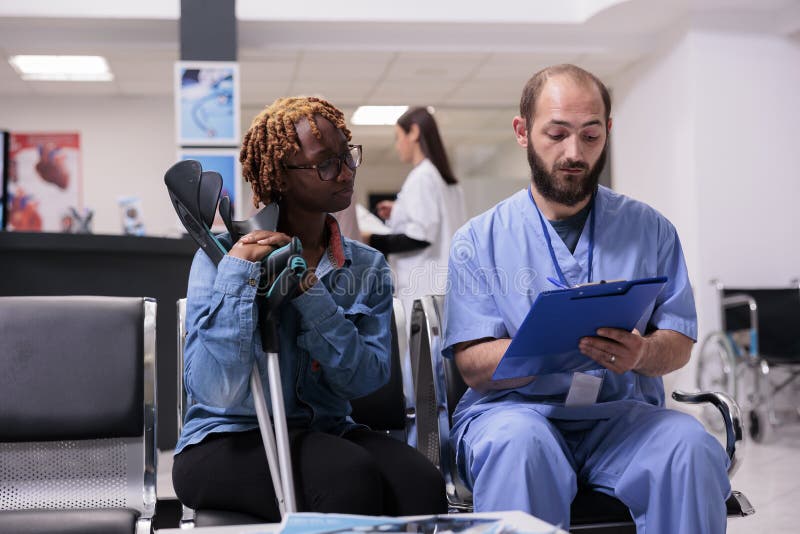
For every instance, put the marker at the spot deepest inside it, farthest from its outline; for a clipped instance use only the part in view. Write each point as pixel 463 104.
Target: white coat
pixel 426 209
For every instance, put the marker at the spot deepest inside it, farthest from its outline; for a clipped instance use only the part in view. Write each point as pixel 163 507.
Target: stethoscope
pixel 562 279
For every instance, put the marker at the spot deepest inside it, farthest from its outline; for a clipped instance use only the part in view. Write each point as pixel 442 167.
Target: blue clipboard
pixel 547 341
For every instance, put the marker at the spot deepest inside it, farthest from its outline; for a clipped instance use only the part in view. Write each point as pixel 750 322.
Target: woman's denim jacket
pixel 335 341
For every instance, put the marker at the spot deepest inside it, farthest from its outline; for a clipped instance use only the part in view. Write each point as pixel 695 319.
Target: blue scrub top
pixel 499 263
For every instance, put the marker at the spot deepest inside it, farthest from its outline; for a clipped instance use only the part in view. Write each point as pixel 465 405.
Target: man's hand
pixel 655 354
pixel 615 349
pixel 258 244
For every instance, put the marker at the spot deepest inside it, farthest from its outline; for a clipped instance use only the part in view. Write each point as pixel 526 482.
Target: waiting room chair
pixel 756 353
pixel 77 415
pixel 439 387
pixel 389 409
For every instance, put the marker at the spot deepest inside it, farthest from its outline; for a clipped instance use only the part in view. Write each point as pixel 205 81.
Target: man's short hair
pixel 532 89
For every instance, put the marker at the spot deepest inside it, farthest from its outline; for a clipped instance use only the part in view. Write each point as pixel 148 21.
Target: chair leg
pixel 738 505
pixel 144 525
pixel 187 518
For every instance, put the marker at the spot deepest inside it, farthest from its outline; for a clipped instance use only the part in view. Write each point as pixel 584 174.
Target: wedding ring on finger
pixel 612 359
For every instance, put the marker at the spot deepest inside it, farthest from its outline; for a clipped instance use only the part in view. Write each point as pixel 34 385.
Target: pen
pixel 557 283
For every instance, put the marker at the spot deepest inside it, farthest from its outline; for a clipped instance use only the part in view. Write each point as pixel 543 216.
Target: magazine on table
pixel 309 523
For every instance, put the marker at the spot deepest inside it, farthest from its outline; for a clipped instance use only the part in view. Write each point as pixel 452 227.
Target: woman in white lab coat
pixel 428 210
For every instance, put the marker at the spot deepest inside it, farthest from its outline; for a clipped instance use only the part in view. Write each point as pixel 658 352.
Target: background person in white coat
pixel 428 210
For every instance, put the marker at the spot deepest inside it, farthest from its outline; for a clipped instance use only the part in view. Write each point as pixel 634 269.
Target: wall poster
pixel 44 181
pixel 207 103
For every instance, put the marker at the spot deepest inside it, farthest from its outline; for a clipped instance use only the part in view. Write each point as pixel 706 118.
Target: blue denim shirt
pixel 335 341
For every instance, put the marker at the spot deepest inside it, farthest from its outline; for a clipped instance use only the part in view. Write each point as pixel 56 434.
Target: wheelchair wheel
pixel 759 426
pixel 716 371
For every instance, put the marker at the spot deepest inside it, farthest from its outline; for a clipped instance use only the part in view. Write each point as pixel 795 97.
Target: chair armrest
pixel 150 449
pixel 409 396
pixel 731 414
pixel 433 411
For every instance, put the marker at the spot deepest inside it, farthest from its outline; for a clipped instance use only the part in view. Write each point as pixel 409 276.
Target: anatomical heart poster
pixel 44 181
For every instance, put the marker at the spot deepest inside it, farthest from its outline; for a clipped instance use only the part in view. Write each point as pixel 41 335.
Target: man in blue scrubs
pixel 525 443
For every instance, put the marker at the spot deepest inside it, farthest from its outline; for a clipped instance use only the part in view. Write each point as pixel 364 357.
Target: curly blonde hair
pixel 272 137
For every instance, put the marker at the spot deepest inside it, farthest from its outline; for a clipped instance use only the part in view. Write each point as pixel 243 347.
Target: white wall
pixel 748 157
pixel 706 132
pixel 378 178
pixel 652 138
pixel 481 194
pixel 126 143
pixel 508 161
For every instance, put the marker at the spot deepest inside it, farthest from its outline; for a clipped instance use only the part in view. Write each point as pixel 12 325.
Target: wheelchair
pixel 755 354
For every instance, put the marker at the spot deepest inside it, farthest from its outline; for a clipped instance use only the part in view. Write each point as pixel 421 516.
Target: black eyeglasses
pixel 332 167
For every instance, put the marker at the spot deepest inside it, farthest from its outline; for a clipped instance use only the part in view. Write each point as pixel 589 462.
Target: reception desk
pixel 75 264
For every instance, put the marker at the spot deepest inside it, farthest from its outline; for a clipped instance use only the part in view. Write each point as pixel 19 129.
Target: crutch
pixel 194 195
pixel 280 463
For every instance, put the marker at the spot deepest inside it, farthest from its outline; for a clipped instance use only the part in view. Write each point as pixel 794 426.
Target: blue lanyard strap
pixel 550 248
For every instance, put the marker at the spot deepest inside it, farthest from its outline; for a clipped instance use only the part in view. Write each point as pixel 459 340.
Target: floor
pixel 769 476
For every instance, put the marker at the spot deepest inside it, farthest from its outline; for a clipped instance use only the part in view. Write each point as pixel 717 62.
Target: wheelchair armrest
pixel 739 299
pixel 731 414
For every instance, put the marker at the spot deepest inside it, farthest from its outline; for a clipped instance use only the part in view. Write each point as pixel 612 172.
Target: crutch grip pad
pixel 276 262
pixel 285 287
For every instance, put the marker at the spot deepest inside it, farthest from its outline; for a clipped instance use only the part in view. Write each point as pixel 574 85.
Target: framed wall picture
pixel 207 103
pixel 44 181
pixel 226 162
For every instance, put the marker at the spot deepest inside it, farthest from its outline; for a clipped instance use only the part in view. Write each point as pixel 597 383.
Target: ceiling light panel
pixel 377 115
pixel 62 68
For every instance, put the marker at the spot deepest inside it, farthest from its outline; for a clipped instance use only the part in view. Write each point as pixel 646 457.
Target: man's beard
pixel 571 190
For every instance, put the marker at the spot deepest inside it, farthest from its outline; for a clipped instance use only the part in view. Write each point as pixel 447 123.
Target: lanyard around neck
pixel 546 233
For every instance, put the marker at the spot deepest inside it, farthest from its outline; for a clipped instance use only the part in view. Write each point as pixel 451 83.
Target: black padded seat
pixel 77 414
pixel 778 308
pixel 385 409
pixel 592 507
pixel 112 521
pixel 219 518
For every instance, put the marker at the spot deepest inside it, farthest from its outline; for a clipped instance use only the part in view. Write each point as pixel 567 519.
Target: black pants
pixel 363 472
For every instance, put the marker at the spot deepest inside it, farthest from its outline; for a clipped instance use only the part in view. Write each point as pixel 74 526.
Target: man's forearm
pixel 667 351
pixel 477 360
